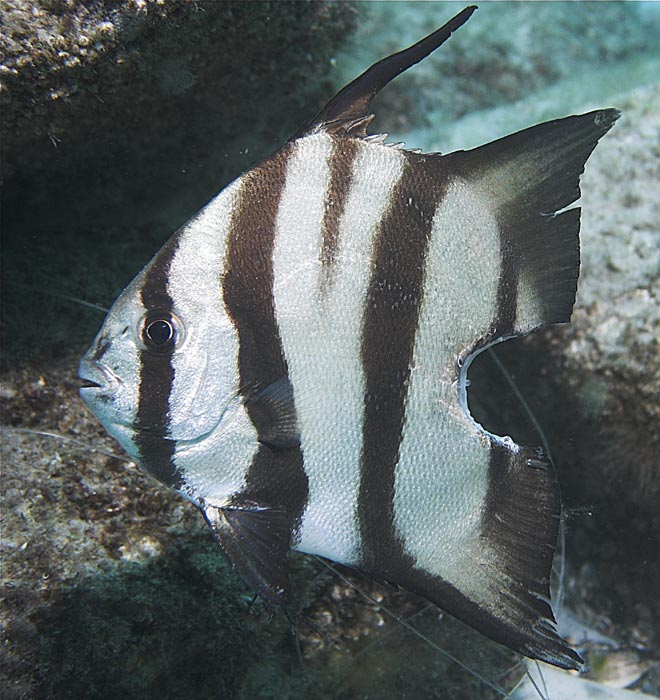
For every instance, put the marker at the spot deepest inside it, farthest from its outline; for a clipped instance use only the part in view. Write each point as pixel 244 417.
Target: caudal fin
pixel 529 178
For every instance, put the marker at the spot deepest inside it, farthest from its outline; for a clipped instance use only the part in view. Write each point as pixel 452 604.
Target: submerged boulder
pixel 122 118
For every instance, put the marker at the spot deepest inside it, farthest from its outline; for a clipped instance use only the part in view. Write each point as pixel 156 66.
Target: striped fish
pixel 294 359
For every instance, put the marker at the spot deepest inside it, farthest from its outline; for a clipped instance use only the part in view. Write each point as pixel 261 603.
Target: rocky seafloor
pixel 112 587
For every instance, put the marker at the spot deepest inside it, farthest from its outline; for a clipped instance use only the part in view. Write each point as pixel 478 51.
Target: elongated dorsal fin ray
pixel 348 111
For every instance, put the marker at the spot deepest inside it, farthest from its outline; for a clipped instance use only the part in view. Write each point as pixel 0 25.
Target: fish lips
pixel 97 381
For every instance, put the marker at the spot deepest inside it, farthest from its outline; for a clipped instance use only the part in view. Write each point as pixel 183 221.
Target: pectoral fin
pixel 273 410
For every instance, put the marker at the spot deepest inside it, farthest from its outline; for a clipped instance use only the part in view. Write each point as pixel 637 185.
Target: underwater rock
pixel 111 586
pixel 611 350
pixel 120 119
pixel 132 84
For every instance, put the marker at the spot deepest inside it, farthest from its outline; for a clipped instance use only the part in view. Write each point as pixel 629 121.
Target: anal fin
pixel 497 579
pixel 519 528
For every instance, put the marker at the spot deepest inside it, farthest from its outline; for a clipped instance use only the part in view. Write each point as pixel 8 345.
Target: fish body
pixel 294 360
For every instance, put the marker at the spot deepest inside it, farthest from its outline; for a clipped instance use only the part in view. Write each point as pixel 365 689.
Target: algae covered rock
pixel 112 586
pixel 139 89
pixel 122 118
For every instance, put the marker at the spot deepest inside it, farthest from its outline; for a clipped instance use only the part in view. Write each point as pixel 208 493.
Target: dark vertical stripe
pixel 392 306
pixel 247 284
pixel 344 152
pixel 156 378
pixel 276 477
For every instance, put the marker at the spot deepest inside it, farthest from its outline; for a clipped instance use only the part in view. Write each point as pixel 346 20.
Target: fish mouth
pixel 95 380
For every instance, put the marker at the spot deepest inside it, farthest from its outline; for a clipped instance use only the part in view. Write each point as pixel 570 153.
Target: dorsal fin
pixel 347 113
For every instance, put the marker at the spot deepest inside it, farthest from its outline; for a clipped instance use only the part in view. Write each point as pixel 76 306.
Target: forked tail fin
pixel 529 178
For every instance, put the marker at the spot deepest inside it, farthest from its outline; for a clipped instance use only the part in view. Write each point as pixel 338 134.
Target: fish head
pixel 110 369
pixel 160 375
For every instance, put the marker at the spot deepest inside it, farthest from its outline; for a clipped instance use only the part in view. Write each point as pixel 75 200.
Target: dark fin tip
pixel 606 117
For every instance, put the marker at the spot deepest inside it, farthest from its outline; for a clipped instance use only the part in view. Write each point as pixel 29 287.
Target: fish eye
pixel 160 332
